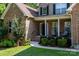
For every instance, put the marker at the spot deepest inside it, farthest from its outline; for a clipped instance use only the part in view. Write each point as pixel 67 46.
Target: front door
pixel 42 29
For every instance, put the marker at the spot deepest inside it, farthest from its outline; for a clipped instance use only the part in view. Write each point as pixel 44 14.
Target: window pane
pixel 54 28
pixel 61 5
pixel 44 11
pixel 61 8
pixel 67 29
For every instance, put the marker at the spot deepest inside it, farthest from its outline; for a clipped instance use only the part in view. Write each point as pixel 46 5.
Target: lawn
pixel 33 51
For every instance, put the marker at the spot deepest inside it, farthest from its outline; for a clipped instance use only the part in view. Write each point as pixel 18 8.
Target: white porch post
pixel 58 27
pixel 45 28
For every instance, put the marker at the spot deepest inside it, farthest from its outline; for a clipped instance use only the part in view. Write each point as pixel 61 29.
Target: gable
pixel 11 10
pixel 19 8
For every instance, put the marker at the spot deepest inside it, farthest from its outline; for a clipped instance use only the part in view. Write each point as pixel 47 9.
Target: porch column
pixel 45 28
pixel 58 27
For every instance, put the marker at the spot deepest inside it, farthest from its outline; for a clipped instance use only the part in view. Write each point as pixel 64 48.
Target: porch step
pixel 36 38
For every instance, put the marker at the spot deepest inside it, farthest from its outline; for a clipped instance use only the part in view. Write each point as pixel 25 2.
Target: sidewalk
pixel 35 44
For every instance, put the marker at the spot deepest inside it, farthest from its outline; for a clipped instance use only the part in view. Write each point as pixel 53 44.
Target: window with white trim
pixel 60 8
pixel 44 10
pixel 54 28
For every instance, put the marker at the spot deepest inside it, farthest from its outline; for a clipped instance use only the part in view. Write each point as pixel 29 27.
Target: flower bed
pixel 55 41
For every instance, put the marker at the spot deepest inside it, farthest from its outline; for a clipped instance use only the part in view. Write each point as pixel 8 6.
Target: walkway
pixel 35 44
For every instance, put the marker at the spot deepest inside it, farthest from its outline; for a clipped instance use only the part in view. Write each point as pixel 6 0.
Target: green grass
pixel 33 51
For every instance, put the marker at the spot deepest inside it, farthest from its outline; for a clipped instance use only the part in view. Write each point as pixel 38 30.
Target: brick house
pixel 49 19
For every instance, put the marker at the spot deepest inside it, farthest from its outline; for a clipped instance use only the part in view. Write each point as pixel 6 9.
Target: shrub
pixel 62 42
pixel 68 42
pixel 26 42
pixel 41 38
pixel 52 42
pixel 55 41
pixel 44 41
pixel 7 43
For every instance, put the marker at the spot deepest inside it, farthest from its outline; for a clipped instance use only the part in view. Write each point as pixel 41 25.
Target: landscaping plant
pixel 7 43
pixel 52 42
pixel 44 41
pixel 62 42
pixel 18 30
pixel 3 29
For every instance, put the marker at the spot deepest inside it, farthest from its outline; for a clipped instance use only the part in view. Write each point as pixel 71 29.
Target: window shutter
pixel 54 9
pixel 68 4
pixel 47 10
pixel 40 10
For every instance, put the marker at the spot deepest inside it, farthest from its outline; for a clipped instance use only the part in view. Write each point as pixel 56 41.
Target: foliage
pixel 2 8
pixel 55 41
pixel 7 43
pixel 62 42
pixel 52 42
pixel 17 28
pixel 18 31
pixel 3 30
pixel 44 41
pixel 27 41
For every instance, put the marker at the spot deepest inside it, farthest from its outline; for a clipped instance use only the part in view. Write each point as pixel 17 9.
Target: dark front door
pixel 43 29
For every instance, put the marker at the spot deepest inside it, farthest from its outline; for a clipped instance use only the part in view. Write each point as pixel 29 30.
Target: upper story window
pixel 44 11
pixel 61 8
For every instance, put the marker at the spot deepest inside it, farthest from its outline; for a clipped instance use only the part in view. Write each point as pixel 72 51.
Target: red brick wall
pixel 75 24
pixel 13 10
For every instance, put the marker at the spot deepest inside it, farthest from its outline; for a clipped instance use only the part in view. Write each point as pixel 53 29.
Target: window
pixel 54 28
pixel 44 10
pixel 67 28
pixel 60 8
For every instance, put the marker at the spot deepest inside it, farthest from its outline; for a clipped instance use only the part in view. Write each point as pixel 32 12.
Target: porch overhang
pixel 52 17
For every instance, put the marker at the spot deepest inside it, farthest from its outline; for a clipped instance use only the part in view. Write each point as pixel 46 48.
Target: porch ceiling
pixel 52 17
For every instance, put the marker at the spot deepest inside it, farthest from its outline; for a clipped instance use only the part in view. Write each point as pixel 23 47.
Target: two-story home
pixel 49 19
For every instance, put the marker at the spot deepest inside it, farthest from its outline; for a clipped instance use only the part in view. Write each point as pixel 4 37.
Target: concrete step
pixel 36 38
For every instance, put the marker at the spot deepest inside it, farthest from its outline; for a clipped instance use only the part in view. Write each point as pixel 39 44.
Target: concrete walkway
pixel 35 44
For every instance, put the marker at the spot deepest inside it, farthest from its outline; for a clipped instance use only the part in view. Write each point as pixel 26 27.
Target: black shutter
pixel 40 10
pixel 68 4
pixel 54 9
pixel 47 10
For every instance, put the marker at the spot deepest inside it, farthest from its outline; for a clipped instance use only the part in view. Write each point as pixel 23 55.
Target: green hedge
pixel 52 42
pixel 7 43
pixel 44 41
pixel 55 41
pixel 62 42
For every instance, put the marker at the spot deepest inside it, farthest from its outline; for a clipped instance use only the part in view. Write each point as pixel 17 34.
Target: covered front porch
pixel 56 27
pixel 53 26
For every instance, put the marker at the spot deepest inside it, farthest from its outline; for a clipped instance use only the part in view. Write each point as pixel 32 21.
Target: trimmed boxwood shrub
pixel 44 41
pixel 52 42
pixel 55 41
pixel 62 42
pixel 41 37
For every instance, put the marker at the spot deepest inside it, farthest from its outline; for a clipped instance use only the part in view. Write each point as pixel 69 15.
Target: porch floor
pixel 35 44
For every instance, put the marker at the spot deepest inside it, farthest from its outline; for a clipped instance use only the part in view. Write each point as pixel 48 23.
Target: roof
pixel 25 9
pixel 70 8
